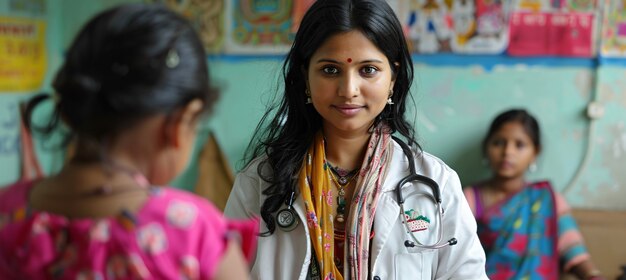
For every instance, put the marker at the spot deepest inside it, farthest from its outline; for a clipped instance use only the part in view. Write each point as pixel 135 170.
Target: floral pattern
pixel 181 214
pixel 41 245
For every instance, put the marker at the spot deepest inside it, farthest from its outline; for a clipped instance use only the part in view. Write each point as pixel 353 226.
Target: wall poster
pixel 613 43
pixel 559 27
pixel 23 59
pixel 207 16
pixel 262 27
pixel 459 26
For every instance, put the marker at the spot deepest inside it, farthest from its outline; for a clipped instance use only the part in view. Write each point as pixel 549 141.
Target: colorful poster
pixel 262 27
pixel 427 24
pixel 560 34
pixel 460 26
pixel 207 16
pixel 613 42
pixel 586 6
pixel 480 26
pixel 22 54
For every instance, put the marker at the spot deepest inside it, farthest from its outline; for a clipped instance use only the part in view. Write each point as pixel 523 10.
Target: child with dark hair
pixel 132 89
pixel 526 228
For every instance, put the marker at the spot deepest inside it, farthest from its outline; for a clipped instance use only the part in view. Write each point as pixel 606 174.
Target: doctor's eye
pixel 330 70
pixel 369 70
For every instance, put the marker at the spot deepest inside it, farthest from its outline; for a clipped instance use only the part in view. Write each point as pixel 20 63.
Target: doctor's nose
pixel 348 86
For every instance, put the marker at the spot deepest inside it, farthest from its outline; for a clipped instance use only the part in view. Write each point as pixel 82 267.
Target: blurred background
pixel 563 60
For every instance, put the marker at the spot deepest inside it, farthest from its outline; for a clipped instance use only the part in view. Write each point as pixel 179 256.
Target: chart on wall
pixel 262 27
pixel 570 28
pixel 519 27
pixel 207 16
pixel 459 26
pixel 614 29
pixel 23 59
pixel 556 27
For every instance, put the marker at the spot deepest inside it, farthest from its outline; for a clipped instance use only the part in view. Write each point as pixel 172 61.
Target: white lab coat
pixel 286 255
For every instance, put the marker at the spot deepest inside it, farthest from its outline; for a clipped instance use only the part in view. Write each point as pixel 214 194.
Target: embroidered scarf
pixel 316 188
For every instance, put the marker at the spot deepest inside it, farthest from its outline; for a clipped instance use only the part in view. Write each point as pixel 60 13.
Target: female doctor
pixel 324 172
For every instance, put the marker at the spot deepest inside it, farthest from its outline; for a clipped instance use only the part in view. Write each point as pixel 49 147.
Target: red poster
pixel 559 34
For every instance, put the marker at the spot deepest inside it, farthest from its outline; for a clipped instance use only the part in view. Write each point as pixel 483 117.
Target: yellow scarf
pixel 316 191
pixel 316 188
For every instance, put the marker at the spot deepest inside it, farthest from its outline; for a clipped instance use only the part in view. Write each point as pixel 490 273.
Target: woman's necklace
pixel 341 178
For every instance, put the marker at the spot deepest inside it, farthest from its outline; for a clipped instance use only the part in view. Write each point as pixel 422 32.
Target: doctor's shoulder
pixel 255 168
pixel 246 194
pixel 431 166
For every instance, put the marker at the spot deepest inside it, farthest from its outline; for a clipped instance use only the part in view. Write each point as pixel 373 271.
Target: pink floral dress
pixel 175 235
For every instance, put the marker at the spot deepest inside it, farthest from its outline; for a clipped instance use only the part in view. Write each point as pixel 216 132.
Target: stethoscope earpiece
pixel 287 219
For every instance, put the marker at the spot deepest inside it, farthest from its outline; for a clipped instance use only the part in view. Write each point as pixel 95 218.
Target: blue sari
pixel 520 234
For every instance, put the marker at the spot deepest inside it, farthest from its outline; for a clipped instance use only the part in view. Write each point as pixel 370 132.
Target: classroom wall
pixel 454 103
pixel 9 118
pixel 454 106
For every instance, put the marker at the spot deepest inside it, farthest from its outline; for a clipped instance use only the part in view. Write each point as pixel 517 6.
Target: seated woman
pixel 526 228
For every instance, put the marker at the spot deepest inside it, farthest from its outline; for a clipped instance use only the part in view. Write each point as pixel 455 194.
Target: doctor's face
pixel 350 80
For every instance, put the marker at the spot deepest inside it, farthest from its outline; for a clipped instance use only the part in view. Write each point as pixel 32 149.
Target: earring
pixel 389 101
pixel 172 59
pixel 307 92
pixel 532 167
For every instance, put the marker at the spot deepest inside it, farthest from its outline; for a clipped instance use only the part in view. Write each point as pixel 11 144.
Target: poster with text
pixel 558 34
pixel 23 59
pixel 554 28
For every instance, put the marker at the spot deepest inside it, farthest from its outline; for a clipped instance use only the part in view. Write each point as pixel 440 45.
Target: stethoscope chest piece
pixel 287 219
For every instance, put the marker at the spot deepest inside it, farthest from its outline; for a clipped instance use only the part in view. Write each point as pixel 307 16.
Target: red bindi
pixel 349 60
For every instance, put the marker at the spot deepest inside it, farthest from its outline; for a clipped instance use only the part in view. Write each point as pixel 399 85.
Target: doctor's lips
pixel 348 109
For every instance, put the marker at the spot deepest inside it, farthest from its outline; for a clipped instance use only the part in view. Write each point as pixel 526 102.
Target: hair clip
pixel 172 60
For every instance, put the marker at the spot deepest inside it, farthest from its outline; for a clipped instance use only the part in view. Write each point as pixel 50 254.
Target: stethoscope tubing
pixel 414 177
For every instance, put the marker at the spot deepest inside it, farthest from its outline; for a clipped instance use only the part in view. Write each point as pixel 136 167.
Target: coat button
pixel 376 278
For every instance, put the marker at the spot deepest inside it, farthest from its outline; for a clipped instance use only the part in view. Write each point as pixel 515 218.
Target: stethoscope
pixel 436 197
pixel 287 221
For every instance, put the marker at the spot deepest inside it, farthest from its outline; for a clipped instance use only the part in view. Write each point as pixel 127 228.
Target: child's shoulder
pixel 170 199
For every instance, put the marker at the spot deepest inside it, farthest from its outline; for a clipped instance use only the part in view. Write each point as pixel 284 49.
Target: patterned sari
pixel 520 234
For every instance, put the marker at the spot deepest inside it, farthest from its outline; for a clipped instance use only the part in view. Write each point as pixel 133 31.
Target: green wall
pixel 453 106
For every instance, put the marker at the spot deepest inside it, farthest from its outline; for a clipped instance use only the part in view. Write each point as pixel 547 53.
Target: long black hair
pixel 287 129
pixel 127 63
